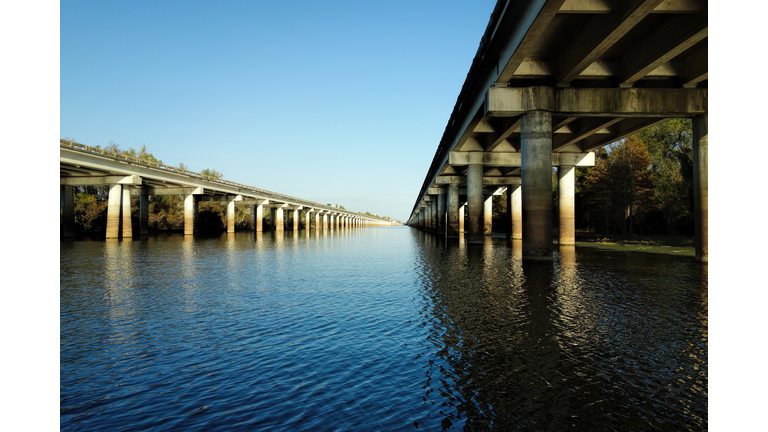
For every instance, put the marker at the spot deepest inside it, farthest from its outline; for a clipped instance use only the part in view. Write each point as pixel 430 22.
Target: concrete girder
pixel 695 68
pixel 582 129
pixel 515 159
pixel 487 181
pixel 167 191
pixel 529 21
pixel 619 131
pixel 674 37
pixel 598 35
pixel 276 205
pixel 596 102
pixel 101 180
pixel 506 127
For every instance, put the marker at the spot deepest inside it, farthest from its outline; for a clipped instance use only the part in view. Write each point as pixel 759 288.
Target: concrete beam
pixel 487 181
pixel 619 131
pixel 596 102
pixel 168 191
pixel 533 18
pixel 514 160
pixel 666 42
pixel 599 34
pixel 276 205
pixel 582 129
pixel 101 180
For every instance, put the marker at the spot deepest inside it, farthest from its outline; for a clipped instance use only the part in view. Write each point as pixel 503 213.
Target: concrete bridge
pixel 127 176
pixel 553 80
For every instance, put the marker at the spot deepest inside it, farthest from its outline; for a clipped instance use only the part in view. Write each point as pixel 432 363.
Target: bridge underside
pixel 553 81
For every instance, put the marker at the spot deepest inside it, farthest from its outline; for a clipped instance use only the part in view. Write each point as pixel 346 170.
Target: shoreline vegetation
pixel 666 245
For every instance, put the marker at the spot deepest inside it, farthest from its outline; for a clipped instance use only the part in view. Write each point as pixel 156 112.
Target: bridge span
pixel 552 81
pixel 82 165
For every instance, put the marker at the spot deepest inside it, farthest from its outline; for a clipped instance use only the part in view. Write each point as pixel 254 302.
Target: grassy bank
pixel 667 245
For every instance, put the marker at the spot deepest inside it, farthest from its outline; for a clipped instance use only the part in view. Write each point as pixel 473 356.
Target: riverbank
pixel 666 245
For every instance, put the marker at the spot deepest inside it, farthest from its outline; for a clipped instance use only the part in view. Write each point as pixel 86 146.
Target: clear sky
pixel 339 102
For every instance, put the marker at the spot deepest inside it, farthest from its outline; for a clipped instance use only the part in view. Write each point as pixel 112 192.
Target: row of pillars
pixel 119 215
pixel 529 208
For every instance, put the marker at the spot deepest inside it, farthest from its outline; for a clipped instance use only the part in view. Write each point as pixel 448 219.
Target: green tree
pixel 211 174
pixel 671 149
pixel 631 181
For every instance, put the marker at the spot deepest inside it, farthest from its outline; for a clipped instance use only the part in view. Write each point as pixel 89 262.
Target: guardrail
pixel 71 145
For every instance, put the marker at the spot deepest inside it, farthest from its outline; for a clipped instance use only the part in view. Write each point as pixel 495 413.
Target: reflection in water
pixel 570 345
pixel 377 329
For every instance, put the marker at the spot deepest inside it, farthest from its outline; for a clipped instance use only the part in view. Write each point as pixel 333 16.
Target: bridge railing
pixel 198 176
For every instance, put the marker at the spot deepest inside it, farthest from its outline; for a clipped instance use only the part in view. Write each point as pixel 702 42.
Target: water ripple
pixel 376 329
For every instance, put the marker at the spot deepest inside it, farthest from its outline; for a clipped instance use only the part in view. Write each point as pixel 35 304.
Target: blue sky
pixel 336 102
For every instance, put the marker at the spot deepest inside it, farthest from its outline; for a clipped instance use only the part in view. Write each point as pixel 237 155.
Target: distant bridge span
pixel 126 176
pixel 553 80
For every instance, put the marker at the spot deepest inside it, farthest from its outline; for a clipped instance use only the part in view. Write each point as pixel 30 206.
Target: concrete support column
pixel 230 215
pixel 113 211
pixel 307 220
pixel 127 227
pixel 317 221
pixel 279 222
pixel 462 209
pixel 325 221
pixel 441 213
pixel 488 216
pixel 515 212
pixel 452 228
pixel 296 220
pixel 143 214
pixel 431 215
pixel 259 224
pixel 566 176
pixel 190 214
pixel 475 204
pixel 701 186
pixel 67 211
pixel 536 154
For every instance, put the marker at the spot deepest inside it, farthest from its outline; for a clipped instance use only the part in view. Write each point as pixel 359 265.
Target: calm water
pixel 377 329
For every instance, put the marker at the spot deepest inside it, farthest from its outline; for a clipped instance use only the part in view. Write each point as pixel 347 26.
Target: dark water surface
pixel 377 329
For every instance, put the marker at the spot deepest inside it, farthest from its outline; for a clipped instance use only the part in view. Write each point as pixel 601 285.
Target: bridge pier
pixel 441 212
pixel 259 211
pixel 701 186
pixel 190 213
pixel 279 222
pixel 536 152
pixel 475 200
pixel 462 210
pixel 566 187
pixel 67 211
pixel 515 212
pixel 119 212
pixel 126 213
pixel 452 228
pixel 230 214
